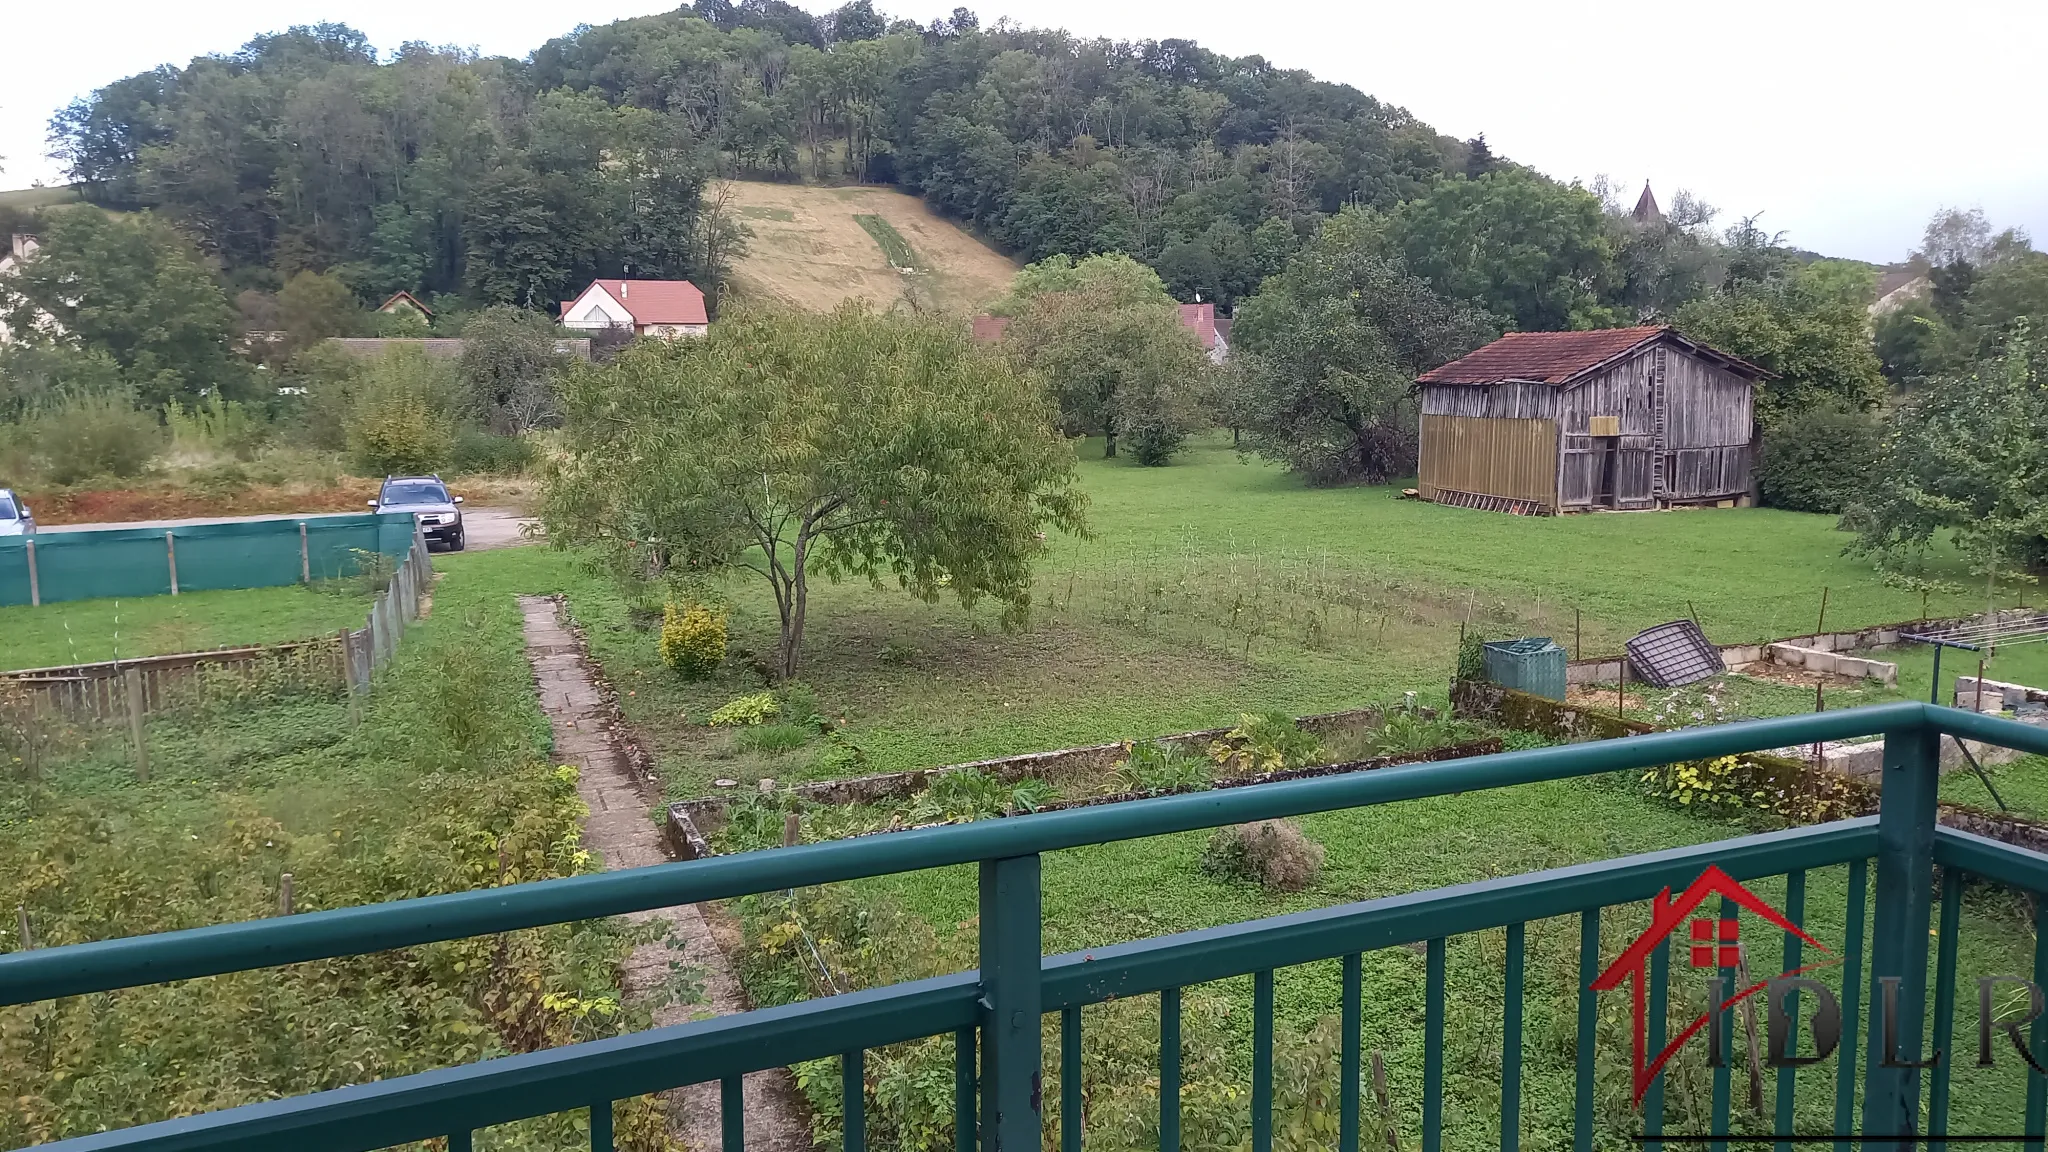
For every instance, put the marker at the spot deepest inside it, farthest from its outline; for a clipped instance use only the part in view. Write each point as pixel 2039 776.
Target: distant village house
pixel 20 247
pixel 660 308
pixel 1620 418
pixel 403 304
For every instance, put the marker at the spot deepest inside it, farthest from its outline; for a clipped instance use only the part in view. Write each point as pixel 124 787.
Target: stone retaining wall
pixel 1607 669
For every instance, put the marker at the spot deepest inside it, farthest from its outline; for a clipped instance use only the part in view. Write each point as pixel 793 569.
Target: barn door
pixel 1607 454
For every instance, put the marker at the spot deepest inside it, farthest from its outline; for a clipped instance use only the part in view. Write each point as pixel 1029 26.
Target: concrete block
pixel 1790 655
pixel 1819 661
pixel 1741 654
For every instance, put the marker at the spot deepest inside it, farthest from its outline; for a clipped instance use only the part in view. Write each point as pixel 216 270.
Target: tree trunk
pixel 1109 442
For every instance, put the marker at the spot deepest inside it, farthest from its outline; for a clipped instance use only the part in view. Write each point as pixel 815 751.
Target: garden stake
pixel 1577 652
pixel 1692 612
pixel 1823 612
pixel 1819 705
pixel 21 916
pixel 1979 705
pixel 284 894
pixel 1379 1095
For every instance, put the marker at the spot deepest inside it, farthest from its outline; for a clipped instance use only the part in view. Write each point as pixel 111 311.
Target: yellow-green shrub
pixel 692 640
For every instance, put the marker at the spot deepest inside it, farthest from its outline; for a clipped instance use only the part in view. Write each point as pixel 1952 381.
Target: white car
pixel 15 519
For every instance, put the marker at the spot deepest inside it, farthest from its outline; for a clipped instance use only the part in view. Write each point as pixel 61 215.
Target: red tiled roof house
pixel 1620 418
pixel 664 308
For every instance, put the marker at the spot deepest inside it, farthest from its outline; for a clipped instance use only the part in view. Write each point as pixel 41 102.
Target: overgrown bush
pixel 479 451
pixel 399 418
pixel 1819 460
pixel 85 435
pixel 693 639
pixel 1274 854
pixel 972 794
pixel 1265 743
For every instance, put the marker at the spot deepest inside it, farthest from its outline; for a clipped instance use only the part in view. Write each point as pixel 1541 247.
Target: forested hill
pixel 511 181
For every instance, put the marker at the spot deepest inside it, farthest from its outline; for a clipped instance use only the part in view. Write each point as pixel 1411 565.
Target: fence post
pixel 131 678
pixel 305 557
pixel 171 554
pixel 1011 1005
pixel 1898 948
pixel 35 582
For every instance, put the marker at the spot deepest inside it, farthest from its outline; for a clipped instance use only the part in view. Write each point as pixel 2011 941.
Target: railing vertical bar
pixel 1589 971
pixel 1511 1043
pixel 1660 1018
pixel 2037 1040
pixel 732 1114
pixel 1169 1070
pixel 853 1096
pixel 1723 1023
pixel 1944 1003
pixel 1070 1080
pixel 1262 1061
pixel 1900 925
pixel 1433 1048
pixel 1852 999
pixel 1350 1056
pixel 601 1126
pixel 1787 1087
pixel 963 1091
pixel 1013 1065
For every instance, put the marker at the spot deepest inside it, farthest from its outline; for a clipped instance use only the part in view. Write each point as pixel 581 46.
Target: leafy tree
pixel 313 306
pixel 1116 357
pixel 401 414
pixel 508 368
pixel 794 444
pixel 857 20
pixel 132 288
pixel 1331 350
pixel 1121 279
pixel 1532 252
pixel 1822 459
pixel 1808 327
pixel 1968 457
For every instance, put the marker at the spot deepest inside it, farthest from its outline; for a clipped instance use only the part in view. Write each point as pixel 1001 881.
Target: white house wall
pixel 597 309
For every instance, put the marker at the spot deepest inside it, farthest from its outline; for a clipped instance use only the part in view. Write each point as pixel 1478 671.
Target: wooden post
pixel 348 677
pixel 284 894
pixel 1818 628
pixel 21 918
pixel 1578 653
pixel 1621 689
pixel 171 554
pixel 792 829
pixel 305 557
pixel 35 583
pixel 132 679
pixel 1379 1095
pixel 1979 705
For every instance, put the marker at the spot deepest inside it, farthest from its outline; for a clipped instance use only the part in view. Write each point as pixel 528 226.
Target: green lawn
pixel 1214 587
pixel 88 631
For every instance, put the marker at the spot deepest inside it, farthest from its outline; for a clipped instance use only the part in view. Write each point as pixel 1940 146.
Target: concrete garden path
pixel 619 831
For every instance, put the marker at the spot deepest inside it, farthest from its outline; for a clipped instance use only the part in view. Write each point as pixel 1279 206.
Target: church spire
pixel 1647 211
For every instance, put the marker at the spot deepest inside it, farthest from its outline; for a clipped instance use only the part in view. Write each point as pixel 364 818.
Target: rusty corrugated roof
pixel 1560 357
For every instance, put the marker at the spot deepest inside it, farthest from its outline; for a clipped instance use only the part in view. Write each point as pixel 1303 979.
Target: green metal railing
pixel 995 1013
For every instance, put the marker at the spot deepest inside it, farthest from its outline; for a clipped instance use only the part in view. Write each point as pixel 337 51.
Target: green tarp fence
pixel 58 565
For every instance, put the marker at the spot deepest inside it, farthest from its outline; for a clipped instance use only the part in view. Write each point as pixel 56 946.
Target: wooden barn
pixel 1551 422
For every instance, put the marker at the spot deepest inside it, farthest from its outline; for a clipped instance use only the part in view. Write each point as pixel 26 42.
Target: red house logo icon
pixel 1714 943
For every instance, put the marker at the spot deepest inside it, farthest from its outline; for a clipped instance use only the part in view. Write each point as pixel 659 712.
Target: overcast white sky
pixel 1845 122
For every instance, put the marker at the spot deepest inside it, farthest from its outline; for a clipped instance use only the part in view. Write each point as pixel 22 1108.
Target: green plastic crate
pixel 1534 665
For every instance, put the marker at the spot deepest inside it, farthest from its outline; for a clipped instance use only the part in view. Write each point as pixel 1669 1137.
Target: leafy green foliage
pixel 132 288
pixel 971 794
pixel 1267 742
pixel 508 370
pixel 774 739
pixel 1332 347
pixel 745 711
pixel 1150 766
pixel 791 445
pixel 1530 251
pixel 1808 327
pixel 1103 334
pixel 70 437
pixel 399 418
pixel 693 639
pixel 1967 457
pixel 895 249
pixel 1822 459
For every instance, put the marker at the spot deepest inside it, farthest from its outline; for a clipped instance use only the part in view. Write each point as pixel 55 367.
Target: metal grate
pixel 1674 654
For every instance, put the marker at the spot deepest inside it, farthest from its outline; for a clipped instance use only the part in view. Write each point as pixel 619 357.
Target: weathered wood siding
pixel 1704 444
pixel 1505 401
pixel 1489 456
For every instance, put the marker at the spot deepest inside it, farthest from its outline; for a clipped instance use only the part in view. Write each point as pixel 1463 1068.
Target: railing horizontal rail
pixel 470 1096
pixel 1991 859
pixel 130 961
pixel 1099 974
pixel 1989 729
